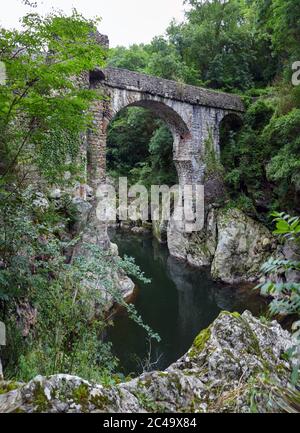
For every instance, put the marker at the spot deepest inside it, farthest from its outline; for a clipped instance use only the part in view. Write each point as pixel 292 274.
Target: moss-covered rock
pixel 233 244
pixel 235 365
pixel 200 342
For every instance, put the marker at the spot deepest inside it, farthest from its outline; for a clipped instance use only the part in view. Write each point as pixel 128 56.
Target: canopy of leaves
pixel 43 109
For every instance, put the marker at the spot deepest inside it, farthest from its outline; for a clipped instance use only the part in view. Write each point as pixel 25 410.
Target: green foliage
pixel 218 40
pixel 161 157
pixel 67 333
pixel 135 59
pixel 212 161
pixel 283 18
pixel 47 295
pixel 286 295
pixel 261 159
pixel 43 110
pixel 284 167
pixel 228 45
pixel 243 157
pixel 160 58
pixel 287 227
pixel 128 137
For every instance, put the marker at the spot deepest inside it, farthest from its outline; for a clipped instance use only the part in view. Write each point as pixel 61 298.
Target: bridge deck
pixel 124 79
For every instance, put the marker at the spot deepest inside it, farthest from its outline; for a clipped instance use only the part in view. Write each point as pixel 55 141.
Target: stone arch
pixel 234 119
pixel 162 107
pixel 230 121
pixel 190 122
pixel 192 114
pixel 116 100
pixel 173 121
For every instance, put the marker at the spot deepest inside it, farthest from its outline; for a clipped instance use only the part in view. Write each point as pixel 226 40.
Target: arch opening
pixel 230 125
pixel 140 144
pixel 172 119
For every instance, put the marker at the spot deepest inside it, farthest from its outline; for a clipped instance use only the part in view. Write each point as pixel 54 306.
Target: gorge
pixel 145 314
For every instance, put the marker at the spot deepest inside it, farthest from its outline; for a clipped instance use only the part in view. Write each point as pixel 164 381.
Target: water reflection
pixel 178 304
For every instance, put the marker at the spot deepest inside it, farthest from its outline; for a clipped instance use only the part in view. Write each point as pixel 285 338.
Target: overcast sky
pixel 124 21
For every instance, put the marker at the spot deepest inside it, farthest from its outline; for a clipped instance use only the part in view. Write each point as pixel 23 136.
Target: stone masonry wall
pixel 124 79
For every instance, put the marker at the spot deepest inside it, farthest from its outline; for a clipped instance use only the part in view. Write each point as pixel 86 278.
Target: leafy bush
pixel 261 160
pixel 286 295
pixel 66 334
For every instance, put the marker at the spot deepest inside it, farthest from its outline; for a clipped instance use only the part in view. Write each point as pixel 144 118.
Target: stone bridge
pixel 193 115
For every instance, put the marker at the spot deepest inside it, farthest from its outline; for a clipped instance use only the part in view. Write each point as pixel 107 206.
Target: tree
pixel 43 114
pixel 135 59
pixel 43 110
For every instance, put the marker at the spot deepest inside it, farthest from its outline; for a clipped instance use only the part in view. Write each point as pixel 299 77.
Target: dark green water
pixel 179 302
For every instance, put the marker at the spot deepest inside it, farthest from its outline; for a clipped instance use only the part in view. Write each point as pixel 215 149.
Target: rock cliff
pixel 233 244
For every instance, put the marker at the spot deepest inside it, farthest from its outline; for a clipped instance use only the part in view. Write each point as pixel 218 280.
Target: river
pixel 179 302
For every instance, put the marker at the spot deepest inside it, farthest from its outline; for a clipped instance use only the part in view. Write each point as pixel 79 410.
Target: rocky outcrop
pixel 160 230
pixel 236 365
pixel 243 246
pixel 83 209
pixel 197 248
pixel 94 232
pixel 122 285
pixel 202 245
pixel 233 244
pixel 290 250
pixel 26 316
pixel 178 241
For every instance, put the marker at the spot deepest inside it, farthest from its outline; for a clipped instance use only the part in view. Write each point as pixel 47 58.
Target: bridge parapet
pixel 129 80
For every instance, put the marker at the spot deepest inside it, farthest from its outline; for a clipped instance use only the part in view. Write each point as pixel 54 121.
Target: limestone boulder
pixel 243 245
pixel 197 248
pixel 178 240
pixel 202 245
pixel 291 251
pixel 160 230
pixel 83 208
